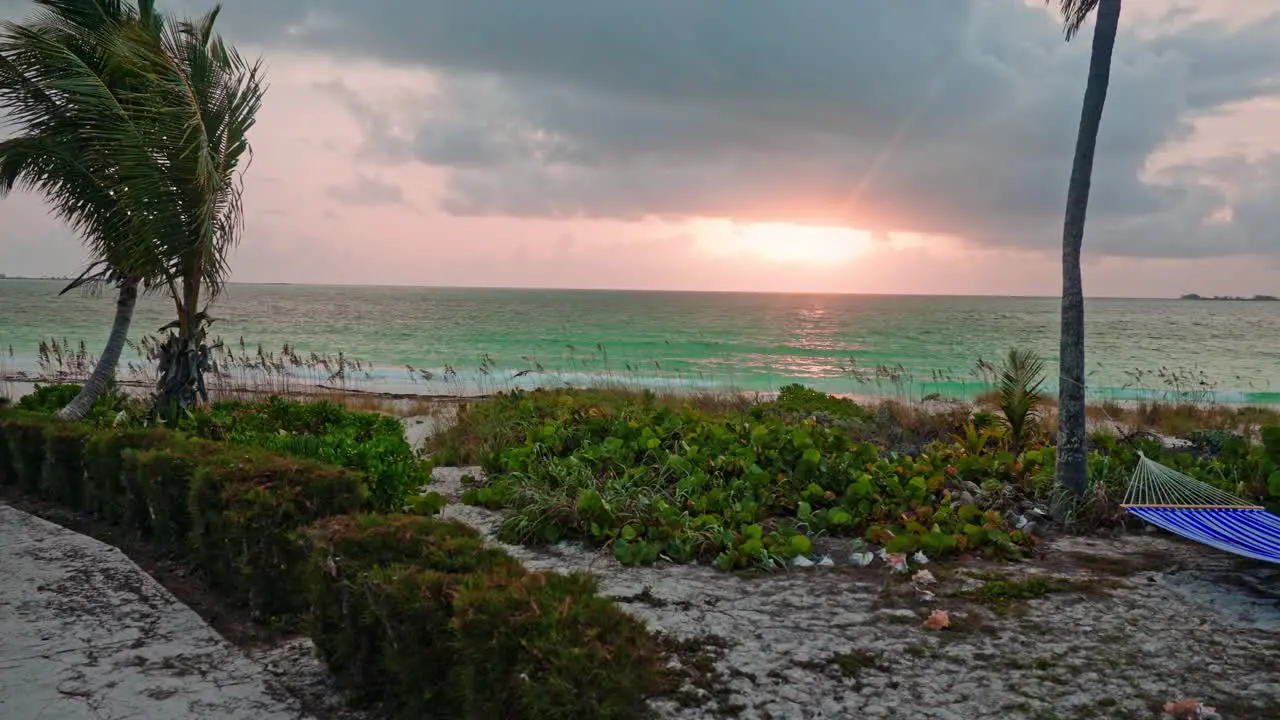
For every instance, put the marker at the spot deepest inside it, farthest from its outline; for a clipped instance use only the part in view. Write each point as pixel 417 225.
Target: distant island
pixel 21 277
pixel 1255 298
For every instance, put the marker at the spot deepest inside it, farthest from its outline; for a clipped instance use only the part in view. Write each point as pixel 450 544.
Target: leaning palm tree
pixel 154 113
pixel 65 88
pixel 1072 467
pixel 201 101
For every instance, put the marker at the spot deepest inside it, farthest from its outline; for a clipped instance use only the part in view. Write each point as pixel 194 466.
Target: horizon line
pixel 528 288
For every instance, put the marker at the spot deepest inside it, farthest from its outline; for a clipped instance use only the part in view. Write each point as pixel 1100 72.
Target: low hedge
pixel 417 613
pixel 360 565
pixel 326 432
pixel 234 512
pixel 246 508
pixel 8 472
pixel 105 491
pixel 156 483
pixel 25 435
pixel 546 645
pixel 412 612
pixel 62 471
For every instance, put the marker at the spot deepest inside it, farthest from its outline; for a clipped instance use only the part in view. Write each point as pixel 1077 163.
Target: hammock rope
pixel 1198 511
pixel 1155 485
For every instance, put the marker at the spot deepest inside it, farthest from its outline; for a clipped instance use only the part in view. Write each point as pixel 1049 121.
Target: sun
pixel 784 243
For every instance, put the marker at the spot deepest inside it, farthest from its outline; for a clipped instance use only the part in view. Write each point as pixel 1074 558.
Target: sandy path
pixel 86 633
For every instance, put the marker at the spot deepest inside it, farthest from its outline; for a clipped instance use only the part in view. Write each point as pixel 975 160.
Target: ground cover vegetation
pixel 762 485
pixel 298 511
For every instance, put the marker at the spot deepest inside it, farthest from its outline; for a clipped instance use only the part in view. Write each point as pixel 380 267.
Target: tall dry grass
pixel 1184 399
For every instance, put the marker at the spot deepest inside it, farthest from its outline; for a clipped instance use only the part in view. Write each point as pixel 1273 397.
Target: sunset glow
pixel 785 243
pixel 416 151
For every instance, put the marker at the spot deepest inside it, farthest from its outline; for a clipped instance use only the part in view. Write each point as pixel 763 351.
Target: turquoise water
pixel 473 340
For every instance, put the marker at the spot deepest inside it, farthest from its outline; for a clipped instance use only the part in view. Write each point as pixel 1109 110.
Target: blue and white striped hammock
pixel 1198 511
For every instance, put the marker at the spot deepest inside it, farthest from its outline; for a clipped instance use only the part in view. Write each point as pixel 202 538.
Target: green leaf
pixel 800 545
pixel 861 488
pixel 917 489
pixel 903 544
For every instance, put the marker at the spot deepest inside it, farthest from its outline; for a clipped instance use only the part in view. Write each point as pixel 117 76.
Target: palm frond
pixel 77 144
pixel 1074 14
pixel 1020 398
pixel 207 98
pixel 134 127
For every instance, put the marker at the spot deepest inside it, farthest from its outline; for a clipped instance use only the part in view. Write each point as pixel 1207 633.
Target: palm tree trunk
pixel 184 358
pixel 105 369
pixel 1072 431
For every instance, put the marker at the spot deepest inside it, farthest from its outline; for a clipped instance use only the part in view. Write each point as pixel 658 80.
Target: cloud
pixel 932 116
pixel 953 117
pixel 367 191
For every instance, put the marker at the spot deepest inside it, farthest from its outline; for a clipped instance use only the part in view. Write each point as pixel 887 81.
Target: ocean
pixel 479 340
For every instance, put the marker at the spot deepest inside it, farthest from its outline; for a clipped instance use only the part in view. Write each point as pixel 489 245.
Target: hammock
pixel 1197 511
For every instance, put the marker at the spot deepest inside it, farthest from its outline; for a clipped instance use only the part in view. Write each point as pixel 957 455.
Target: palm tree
pixel 202 101
pixel 61 80
pixel 1072 461
pixel 151 116
pixel 1021 375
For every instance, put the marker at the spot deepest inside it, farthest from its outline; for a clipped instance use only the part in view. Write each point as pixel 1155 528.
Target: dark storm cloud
pixel 941 116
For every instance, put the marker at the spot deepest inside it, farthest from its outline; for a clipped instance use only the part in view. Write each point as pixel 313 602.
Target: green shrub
pixel 408 641
pixel 546 645
pixel 25 433
pixel 1212 441
pixel 417 613
pixel 48 399
pixel 799 401
pixel 1271 451
pixel 1271 443
pixel 8 471
pixel 362 574
pixel 366 540
pixel 326 432
pixel 157 489
pixel 106 492
pixel 737 490
pixel 484 427
pixel 63 476
pixel 247 507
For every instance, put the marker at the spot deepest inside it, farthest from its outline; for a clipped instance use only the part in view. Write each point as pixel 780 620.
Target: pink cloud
pixel 298 229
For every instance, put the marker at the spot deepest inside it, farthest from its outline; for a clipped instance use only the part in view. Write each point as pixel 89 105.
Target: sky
pixel 920 146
